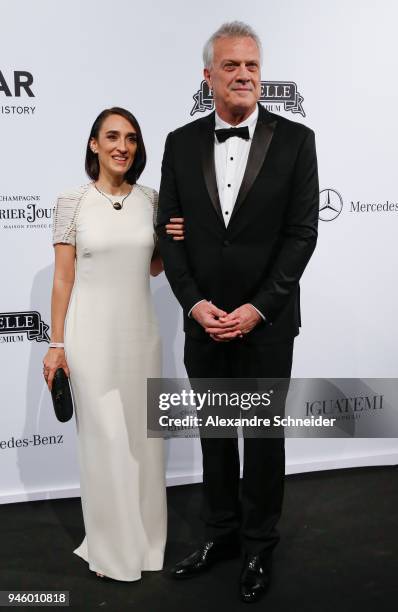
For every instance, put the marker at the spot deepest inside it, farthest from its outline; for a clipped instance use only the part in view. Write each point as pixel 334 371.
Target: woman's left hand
pixel 176 228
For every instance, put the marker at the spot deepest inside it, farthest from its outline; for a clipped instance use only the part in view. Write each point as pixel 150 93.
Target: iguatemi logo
pixel 275 95
pixel 14 325
pixel 17 84
pixel 345 407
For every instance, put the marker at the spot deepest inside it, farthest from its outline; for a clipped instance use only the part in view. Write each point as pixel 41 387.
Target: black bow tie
pixel 242 132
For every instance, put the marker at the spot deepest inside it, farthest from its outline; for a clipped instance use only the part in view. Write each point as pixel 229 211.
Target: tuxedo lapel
pixel 208 165
pixel 262 138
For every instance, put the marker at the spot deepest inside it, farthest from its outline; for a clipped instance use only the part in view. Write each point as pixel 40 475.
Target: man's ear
pixel 206 74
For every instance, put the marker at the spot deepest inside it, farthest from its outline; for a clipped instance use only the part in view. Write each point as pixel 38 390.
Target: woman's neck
pixel 114 185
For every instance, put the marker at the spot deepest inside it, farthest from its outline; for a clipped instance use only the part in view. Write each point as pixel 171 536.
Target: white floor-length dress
pixel 112 345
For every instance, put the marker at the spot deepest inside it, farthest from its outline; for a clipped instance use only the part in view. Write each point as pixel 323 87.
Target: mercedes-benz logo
pixel 330 204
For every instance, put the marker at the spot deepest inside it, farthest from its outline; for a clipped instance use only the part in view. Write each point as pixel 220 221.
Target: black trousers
pixel 257 513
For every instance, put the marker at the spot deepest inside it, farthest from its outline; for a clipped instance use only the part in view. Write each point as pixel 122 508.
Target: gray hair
pixel 233 29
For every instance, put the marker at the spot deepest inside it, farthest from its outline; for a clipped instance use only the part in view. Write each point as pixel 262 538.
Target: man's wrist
pixel 199 302
pixel 258 311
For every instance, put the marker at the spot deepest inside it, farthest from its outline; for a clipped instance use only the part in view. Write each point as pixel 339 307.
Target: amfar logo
pixel 274 95
pixel 330 204
pixel 16 86
pixel 14 324
pixel 25 214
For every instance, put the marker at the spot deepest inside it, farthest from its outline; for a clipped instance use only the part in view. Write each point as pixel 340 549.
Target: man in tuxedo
pixel 245 181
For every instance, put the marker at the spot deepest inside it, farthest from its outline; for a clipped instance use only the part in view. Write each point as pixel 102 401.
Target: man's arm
pixel 173 253
pixel 299 235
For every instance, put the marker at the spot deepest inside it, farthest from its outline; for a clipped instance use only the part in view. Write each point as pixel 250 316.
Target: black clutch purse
pixel 62 396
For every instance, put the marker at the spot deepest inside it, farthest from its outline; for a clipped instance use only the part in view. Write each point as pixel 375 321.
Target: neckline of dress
pixel 110 195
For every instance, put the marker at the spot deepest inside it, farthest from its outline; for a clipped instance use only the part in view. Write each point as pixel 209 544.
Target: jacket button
pixel 226 243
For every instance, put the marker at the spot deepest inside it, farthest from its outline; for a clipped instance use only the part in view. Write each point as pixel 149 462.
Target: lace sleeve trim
pixel 153 197
pixel 65 215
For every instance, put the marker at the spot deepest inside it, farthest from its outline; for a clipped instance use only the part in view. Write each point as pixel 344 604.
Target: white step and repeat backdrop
pixel 61 63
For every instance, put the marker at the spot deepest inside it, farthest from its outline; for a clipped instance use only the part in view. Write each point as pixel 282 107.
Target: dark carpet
pixel 338 551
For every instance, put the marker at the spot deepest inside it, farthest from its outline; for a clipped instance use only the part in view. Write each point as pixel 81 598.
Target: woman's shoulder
pixel 73 196
pixel 65 214
pixel 149 192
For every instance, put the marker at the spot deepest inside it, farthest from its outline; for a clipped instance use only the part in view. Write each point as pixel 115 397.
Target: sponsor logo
pixel 186 427
pixel 16 84
pixel 275 96
pixel 14 326
pixel 345 408
pixel 373 207
pixel 19 212
pixel 34 440
pixel 330 204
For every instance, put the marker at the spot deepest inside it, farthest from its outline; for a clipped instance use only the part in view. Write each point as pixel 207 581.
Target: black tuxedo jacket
pixel 261 255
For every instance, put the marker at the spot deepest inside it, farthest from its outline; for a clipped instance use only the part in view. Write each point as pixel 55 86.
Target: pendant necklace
pixel 116 205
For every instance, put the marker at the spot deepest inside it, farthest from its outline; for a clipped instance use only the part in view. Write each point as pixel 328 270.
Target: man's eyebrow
pixel 236 62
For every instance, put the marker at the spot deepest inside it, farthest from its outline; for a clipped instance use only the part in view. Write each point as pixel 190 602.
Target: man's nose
pixel 243 74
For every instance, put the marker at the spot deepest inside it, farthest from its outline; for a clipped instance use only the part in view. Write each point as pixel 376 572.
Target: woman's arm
pixel 156 263
pixel 64 278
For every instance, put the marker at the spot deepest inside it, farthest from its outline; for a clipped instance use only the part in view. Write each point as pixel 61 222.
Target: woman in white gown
pixel 104 250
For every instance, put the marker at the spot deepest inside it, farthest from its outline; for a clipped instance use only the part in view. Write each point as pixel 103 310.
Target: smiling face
pixel 116 146
pixel 234 77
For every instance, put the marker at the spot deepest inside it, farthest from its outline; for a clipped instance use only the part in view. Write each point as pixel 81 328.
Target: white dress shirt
pixel 230 158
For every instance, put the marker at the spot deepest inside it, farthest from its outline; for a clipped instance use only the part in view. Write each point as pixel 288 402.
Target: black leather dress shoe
pixel 204 558
pixel 255 578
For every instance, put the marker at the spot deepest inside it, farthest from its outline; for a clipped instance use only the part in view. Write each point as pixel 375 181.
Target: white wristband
pixel 57 345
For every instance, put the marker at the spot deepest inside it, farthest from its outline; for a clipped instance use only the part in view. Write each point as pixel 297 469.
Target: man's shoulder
pixel 290 126
pixel 192 127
